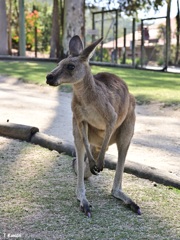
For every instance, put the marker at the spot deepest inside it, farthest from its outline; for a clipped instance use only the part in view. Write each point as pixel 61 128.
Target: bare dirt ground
pixel 156 141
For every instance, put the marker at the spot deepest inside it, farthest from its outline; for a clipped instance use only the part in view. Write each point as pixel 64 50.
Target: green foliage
pixel 45 16
pixel 37 15
pixel 105 54
pixel 13 18
pixel 127 7
pixel 32 22
pixel 129 61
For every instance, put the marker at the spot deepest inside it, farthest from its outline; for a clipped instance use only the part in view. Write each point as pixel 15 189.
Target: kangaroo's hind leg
pixel 80 155
pixel 124 136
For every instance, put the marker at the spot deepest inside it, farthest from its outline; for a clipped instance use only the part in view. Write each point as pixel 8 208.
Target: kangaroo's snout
pixel 50 79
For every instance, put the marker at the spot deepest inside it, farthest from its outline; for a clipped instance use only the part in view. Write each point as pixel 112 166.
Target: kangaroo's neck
pixel 86 86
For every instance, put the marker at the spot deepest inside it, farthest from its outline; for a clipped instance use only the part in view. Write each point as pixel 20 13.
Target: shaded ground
pixel 38 202
pixel 156 141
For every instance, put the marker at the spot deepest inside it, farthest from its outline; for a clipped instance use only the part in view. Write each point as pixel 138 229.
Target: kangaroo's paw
pixel 100 167
pixel 86 208
pixel 93 168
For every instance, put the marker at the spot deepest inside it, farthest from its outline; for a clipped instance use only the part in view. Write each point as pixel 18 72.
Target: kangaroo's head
pixel 73 68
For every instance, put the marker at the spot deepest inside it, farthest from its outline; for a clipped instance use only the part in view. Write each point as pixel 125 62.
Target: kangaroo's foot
pixel 128 202
pixel 134 207
pixel 86 208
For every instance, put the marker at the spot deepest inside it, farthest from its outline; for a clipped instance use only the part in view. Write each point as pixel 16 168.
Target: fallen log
pixel 17 131
pixel 53 143
pixel 32 134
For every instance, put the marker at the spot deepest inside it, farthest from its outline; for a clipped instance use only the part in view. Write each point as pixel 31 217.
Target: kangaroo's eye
pixel 70 67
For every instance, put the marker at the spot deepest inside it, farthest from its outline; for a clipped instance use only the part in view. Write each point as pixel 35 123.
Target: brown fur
pixel 103 114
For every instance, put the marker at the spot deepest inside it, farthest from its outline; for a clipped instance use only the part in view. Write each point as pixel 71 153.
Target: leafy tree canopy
pixel 127 6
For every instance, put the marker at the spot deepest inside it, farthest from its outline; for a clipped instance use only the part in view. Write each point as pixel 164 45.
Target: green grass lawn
pixel 34 72
pixel 147 86
pixel 38 200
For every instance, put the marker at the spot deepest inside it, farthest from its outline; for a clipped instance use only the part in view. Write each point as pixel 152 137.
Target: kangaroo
pixel 103 114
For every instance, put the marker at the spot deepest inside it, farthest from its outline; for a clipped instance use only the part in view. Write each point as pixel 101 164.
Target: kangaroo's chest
pixel 91 115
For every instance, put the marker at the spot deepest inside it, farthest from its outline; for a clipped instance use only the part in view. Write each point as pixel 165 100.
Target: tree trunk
pixel 61 9
pixel 168 34
pixel 74 21
pixel 177 33
pixel 3 29
pixel 9 28
pixel 54 52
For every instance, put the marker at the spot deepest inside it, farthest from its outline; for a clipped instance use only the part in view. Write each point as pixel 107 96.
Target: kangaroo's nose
pixel 49 78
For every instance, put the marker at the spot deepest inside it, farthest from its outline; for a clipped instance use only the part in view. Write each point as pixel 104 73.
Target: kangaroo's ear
pixel 75 46
pixel 89 51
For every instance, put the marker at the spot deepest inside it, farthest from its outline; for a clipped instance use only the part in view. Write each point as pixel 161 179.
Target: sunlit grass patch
pixel 34 72
pixel 38 200
pixel 147 86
